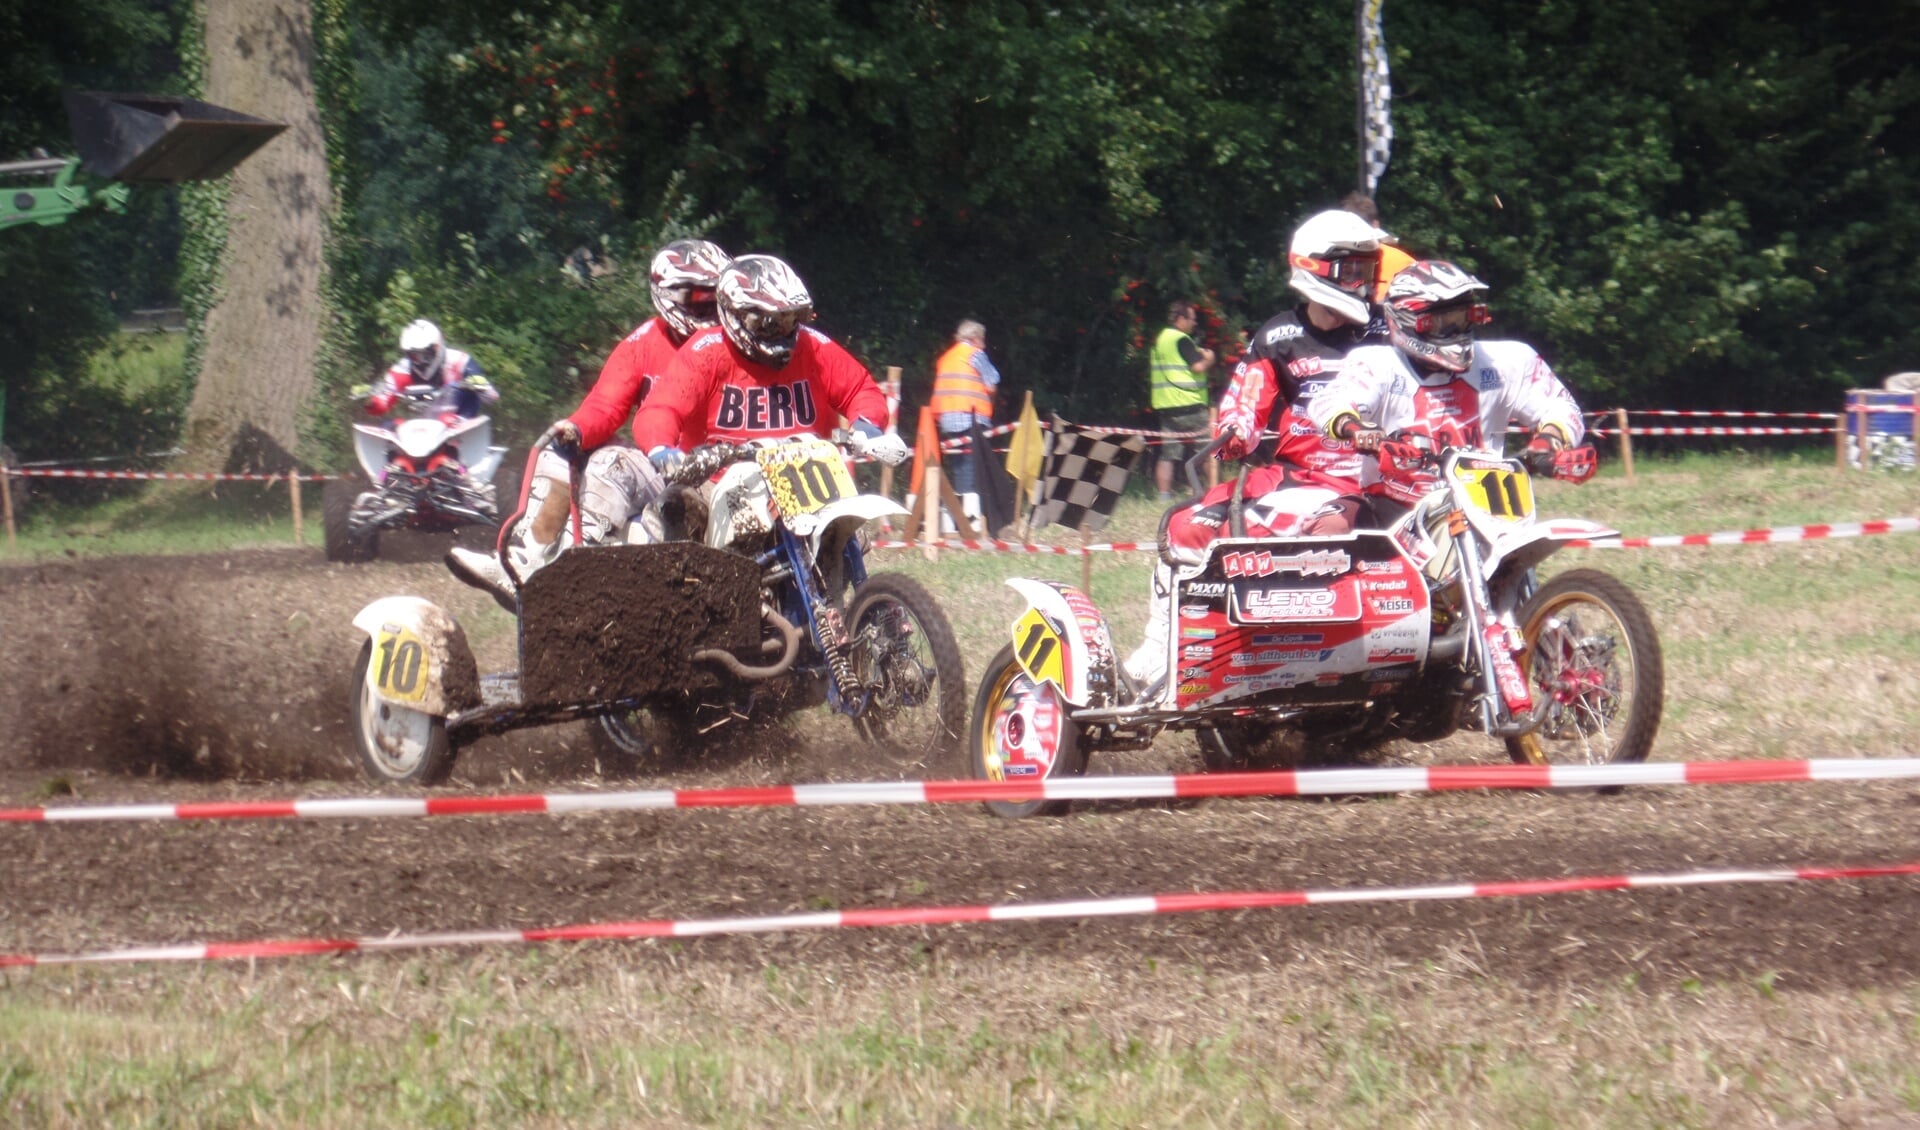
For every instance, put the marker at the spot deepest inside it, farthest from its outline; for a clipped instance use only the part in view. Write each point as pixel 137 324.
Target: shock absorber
pixel 833 643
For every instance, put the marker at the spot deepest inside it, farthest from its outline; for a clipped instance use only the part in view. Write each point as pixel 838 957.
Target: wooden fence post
pixel 293 488
pixel 1626 443
pixel 1840 438
pixel 892 389
pixel 6 500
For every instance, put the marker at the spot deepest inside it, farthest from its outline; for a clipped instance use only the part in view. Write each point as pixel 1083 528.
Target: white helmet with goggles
pixel 1431 314
pixel 1335 258
pixel 763 303
pixel 682 282
pixel 425 351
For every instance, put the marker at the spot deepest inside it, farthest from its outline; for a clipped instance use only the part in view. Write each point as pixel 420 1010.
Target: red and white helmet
pixel 1335 258
pixel 1431 314
pixel 763 303
pixel 425 350
pixel 682 281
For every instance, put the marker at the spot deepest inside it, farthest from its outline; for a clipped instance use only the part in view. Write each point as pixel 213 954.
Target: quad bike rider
pixel 681 279
pixel 431 470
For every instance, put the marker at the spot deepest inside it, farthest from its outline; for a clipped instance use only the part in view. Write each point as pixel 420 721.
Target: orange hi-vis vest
pixel 956 387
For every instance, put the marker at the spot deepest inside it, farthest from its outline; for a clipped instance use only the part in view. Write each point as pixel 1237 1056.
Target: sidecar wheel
pixel 1020 732
pixel 336 508
pixel 903 651
pixel 397 745
pixel 1593 664
pixel 635 742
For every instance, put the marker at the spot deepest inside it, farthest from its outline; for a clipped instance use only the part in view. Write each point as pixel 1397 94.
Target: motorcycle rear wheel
pixel 336 510
pixel 397 745
pixel 900 644
pixel 1593 663
pixel 1020 732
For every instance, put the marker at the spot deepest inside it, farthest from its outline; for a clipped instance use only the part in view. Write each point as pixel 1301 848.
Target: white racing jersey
pixel 1506 383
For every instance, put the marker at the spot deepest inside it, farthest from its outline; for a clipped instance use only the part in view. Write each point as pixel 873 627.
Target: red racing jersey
pixel 631 371
pixel 711 392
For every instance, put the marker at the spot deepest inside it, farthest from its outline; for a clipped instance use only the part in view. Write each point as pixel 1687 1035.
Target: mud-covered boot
pixel 528 551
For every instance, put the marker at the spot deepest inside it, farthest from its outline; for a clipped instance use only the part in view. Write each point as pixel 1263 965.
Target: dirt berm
pixel 218 665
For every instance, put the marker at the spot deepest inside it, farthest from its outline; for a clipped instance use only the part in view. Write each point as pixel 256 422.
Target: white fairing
pixel 740 505
pixel 1084 634
pixel 439 635
pixel 1528 545
pixel 420 438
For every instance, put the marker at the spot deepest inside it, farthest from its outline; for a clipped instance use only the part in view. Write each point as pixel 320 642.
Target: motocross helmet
pixel 425 350
pixel 762 306
pixel 1335 258
pixel 1431 314
pixel 682 280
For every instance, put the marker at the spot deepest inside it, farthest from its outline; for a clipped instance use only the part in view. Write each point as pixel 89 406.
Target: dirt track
pixel 225 676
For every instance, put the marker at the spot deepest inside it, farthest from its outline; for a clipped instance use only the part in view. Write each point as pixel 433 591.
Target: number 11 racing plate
pixel 806 476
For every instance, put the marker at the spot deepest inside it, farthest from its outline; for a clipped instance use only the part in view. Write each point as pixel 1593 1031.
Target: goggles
pixel 1349 272
pixel 1452 321
pixel 420 358
pixel 774 325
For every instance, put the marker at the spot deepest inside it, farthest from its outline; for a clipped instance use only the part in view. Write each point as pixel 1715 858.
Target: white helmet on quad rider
pixel 682 279
pixel 1431 313
pixel 762 306
pixel 425 350
pixel 1335 258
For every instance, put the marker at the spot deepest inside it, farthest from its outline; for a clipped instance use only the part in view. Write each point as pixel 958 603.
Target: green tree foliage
pixel 1688 203
pixel 66 283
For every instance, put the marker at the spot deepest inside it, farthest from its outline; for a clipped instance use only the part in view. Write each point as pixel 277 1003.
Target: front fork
pixel 1506 704
pixel 808 598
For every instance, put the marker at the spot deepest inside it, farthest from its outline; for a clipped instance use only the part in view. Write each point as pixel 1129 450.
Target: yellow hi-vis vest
pixel 1175 384
pixel 956 387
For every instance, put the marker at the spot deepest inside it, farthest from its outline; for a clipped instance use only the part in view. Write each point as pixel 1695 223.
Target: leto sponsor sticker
pixel 1256 604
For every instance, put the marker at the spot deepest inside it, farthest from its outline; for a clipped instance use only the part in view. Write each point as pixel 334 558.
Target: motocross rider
pixel 461 389
pixel 763 374
pixel 1436 386
pixel 1302 482
pixel 681 281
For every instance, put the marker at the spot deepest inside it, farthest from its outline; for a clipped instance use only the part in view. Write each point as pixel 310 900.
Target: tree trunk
pixel 257 368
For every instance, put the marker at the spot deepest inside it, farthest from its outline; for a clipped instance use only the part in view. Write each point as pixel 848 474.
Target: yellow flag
pixel 1028 449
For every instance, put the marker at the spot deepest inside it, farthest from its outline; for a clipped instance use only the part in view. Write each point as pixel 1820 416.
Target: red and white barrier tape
pixel 1720 413
pixel 1126 906
pixel 191 476
pixel 1284 782
pixel 1016 547
pixel 1637 431
pixel 1772 536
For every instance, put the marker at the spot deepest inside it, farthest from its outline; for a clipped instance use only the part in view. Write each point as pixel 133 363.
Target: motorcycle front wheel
pixel 1593 664
pixel 397 745
pixel 1020 732
pixel 903 653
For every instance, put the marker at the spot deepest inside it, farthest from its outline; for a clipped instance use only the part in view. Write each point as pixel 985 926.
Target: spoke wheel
pixel 397 744
pixel 904 656
pixel 1020 732
pixel 1593 664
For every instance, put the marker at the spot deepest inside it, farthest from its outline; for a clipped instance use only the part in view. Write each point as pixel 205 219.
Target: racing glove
pixel 477 383
pixel 870 442
pixel 565 438
pixel 667 460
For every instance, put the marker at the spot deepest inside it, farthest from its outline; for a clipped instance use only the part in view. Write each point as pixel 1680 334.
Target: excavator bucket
pixel 161 138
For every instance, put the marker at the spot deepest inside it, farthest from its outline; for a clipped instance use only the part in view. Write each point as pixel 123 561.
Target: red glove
pixel 1575 464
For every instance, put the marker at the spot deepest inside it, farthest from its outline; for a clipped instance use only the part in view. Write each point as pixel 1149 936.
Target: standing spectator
pixel 963 384
pixel 1179 387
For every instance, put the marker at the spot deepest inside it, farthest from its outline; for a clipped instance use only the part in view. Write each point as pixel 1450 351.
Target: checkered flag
pixel 1376 142
pixel 1086 473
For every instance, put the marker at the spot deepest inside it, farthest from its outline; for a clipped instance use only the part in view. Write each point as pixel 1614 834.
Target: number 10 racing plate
pixel 805 477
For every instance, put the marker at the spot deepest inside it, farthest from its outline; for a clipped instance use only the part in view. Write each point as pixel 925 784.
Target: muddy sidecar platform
pixel 613 628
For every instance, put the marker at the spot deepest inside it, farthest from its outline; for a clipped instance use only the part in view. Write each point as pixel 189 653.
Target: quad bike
pixel 432 473
pixel 1335 644
pixel 668 644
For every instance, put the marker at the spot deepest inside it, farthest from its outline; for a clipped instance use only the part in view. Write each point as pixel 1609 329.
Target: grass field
pixel 1803 650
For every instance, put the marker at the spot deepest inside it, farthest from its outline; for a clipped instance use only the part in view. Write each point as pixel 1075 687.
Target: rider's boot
pixel 534 544
pixel 1147 666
